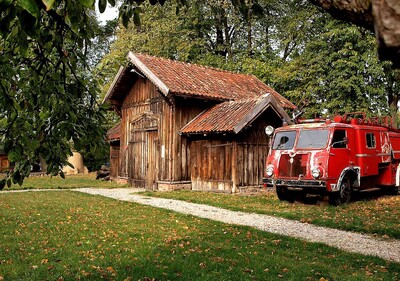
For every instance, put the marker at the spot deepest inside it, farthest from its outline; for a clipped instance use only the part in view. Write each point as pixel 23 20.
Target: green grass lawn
pixel 378 216
pixel 64 235
pixel 70 181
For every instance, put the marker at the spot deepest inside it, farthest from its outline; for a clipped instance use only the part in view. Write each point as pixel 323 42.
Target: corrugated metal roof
pixel 225 117
pixel 195 80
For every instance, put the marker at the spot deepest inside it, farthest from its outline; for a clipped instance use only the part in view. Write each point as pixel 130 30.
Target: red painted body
pixel 317 157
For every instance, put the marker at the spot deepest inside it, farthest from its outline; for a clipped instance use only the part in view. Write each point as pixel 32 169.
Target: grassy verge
pixel 378 216
pixel 75 236
pixel 70 181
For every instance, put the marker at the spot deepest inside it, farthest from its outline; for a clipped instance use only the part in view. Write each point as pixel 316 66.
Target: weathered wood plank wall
pixel 185 110
pixel 218 162
pixel 141 117
pixel 211 165
pixel 114 160
pixel 151 148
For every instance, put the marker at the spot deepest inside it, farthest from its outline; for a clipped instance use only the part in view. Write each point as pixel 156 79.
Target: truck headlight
pixel 270 171
pixel 316 173
pixel 269 130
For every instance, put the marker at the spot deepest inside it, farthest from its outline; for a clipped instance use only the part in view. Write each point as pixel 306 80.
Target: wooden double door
pixel 143 158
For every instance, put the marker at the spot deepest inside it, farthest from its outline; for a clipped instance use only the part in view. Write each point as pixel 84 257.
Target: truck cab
pixel 332 157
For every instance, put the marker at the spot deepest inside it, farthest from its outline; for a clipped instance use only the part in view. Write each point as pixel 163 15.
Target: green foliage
pixel 47 96
pixel 338 72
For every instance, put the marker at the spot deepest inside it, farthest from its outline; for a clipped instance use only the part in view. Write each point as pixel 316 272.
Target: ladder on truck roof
pixel 360 118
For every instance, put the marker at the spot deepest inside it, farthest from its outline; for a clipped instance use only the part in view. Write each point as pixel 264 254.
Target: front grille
pixel 293 167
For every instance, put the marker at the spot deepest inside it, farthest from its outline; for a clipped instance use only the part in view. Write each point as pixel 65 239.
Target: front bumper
pixel 296 184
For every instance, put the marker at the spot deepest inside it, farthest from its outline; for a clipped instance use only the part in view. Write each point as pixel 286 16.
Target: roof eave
pixel 198 133
pixel 267 101
pixel 148 73
pixel 117 78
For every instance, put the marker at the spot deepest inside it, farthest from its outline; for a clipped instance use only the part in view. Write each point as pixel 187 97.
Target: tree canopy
pixel 47 95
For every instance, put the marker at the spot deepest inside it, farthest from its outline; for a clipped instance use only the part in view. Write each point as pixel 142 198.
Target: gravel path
pixel 348 241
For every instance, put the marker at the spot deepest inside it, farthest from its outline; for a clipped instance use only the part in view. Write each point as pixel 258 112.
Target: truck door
pixel 339 152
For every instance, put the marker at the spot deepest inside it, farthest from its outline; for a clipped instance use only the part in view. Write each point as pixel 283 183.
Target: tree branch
pixel 381 16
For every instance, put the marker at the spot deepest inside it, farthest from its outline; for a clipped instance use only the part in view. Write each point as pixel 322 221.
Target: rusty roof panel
pixel 200 81
pixel 222 118
pixel 114 133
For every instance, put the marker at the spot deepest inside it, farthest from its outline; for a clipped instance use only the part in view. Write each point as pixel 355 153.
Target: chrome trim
pixel 371 155
pixel 299 184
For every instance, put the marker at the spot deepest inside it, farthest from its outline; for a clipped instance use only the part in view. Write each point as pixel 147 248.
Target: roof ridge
pixel 197 65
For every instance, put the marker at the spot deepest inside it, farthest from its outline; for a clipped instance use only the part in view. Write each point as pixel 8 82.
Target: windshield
pixel 284 140
pixel 312 139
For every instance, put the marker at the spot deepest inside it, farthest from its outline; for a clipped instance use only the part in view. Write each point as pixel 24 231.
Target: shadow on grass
pixel 368 195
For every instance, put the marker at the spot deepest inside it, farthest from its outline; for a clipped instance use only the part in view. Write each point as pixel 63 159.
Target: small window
pixel 339 139
pixel 370 140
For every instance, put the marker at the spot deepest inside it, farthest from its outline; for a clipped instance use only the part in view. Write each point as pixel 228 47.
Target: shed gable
pixel 184 79
pixel 232 116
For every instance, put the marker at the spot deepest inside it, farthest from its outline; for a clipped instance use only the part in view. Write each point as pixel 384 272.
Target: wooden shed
pixel 189 126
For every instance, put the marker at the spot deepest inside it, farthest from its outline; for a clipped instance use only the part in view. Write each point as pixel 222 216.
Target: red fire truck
pixel 334 157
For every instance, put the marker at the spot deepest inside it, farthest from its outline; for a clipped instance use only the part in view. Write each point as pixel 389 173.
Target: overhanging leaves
pixel 30 6
pixel 47 96
pixel 87 3
pixel 102 5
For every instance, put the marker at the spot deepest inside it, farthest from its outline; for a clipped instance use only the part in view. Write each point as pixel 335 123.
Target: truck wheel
pixel 395 190
pixel 343 196
pixel 284 194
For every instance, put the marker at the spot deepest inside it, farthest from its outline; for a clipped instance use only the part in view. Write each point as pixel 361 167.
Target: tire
pixel 284 194
pixel 395 190
pixel 344 194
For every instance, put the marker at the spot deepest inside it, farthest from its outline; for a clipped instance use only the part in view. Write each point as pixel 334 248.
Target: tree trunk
pixel 249 29
pixel 227 37
pixel 355 11
pixel 394 97
pixel 219 26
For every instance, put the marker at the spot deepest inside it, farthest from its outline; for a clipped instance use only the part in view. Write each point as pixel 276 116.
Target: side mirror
pixel 269 130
